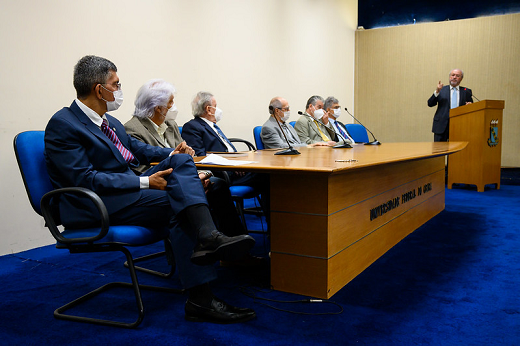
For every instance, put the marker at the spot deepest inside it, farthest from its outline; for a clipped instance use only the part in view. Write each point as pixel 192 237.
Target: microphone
pixel 344 145
pixel 475 97
pixel 290 150
pixel 375 141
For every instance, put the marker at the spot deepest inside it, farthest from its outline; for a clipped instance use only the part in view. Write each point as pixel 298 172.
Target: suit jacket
pixel 201 137
pixel 308 132
pixel 78 153
pixel 441 118
pixel 143 130
pixel 272 135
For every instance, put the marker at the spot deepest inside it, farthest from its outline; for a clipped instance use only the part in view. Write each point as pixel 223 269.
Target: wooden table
pixel 330 220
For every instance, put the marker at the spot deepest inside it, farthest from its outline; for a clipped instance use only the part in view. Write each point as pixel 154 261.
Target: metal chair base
pixel 168 253
pixel 59 313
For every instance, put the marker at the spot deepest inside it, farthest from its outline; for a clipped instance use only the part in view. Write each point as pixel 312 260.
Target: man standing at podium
pixel 446 98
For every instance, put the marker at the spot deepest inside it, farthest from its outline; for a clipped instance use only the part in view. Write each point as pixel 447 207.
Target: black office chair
pixel 29 149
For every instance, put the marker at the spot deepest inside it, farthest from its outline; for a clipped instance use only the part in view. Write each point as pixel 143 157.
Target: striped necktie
pixel 341 132
pixel 221 134
pixel 127 155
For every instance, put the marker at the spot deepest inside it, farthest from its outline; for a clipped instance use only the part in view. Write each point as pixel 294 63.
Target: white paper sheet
pixel 214 159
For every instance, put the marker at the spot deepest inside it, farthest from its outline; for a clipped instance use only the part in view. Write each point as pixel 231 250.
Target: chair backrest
pixel 29 149
pixel 258 139
pixel 292 123
pixel 180 130
pixel 357 132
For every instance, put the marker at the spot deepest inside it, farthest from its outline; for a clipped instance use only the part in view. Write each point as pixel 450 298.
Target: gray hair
pixel 154 93
pixel 274 104
pixel 329 101
pixel 199 103
pixel 312 100
pixel 89 71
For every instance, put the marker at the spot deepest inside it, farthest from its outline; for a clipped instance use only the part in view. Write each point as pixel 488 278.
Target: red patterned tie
pixel 127 155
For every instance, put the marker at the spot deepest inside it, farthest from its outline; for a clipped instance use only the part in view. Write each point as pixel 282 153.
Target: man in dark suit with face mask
pixel 86 147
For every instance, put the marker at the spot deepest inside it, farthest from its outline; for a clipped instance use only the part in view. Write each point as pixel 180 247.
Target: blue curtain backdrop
pixel 379 13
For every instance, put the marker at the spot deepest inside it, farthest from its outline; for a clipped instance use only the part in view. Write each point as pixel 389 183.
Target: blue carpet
pixel 454 281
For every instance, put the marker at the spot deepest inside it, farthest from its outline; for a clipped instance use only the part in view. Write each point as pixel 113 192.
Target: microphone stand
pixel 375 141
pixel 290 150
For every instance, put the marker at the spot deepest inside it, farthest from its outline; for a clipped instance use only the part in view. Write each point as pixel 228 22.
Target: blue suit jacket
pixel 201 137
pixel 78 153
pixel 442 114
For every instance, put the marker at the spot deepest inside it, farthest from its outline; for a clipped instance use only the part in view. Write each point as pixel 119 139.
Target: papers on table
pixel 214 159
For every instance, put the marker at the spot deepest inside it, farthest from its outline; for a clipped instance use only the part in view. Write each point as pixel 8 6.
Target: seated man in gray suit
pixel 313 126
pixel 153 122
pixel 271 134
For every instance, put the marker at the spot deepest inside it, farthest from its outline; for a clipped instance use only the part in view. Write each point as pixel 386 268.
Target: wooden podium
pixel 480 124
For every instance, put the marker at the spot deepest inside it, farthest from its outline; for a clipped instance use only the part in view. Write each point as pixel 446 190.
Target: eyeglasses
pixel 115 85
pixel 284 109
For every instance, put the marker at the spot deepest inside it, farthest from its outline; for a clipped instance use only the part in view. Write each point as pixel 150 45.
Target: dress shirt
pixel 160 131
pixel 212 125
pixel 144 182
pixel 451 90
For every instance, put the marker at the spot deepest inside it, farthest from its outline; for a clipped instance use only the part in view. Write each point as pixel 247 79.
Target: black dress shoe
pixel 221 247
pixel 218 312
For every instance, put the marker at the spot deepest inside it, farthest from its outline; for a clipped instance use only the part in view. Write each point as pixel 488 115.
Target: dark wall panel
pixel 379 13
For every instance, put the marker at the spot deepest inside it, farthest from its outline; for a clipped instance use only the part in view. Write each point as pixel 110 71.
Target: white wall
pixel 243 51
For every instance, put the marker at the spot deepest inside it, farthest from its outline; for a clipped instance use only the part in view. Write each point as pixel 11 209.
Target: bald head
pixel 278 106
pixel 456 76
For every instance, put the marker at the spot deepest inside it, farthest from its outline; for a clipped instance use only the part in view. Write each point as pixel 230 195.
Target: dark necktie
pixel 221 134
pixel 341 132
pixel 127 155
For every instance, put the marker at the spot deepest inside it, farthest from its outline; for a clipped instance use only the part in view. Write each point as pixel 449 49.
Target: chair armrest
pixel 52 224
pixel 250 145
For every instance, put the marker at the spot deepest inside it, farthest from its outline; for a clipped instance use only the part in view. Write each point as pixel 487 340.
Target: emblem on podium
pixel 493 133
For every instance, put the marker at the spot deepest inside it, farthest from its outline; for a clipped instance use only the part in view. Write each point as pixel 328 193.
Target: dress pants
pixel 158 208
pixel 223 208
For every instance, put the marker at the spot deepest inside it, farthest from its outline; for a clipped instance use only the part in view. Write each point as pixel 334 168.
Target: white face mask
pixel 318 114
pixel 172 113
pixel 286 116
pixel 118 99
pixel 337 112
pixel 218 114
